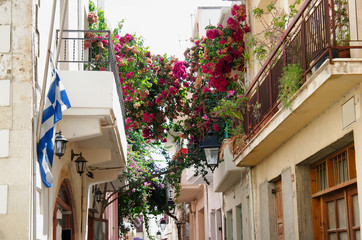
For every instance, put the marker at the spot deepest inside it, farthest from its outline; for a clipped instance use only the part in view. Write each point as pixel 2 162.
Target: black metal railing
pixel 316 33
pixel 93 50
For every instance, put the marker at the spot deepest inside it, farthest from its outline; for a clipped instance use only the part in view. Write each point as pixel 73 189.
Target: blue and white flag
pixel 56 102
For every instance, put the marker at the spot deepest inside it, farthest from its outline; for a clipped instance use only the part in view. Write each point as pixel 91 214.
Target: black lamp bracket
pixel 74 155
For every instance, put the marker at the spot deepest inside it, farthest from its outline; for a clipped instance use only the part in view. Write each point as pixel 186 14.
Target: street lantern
pixel 163 224
pixel 60 144
pixel 80 162
pixel 170 201
pixel 211 148
pixel 99 195
pixel 158 235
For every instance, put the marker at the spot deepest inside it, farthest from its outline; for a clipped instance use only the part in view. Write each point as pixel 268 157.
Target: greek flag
pixel 56 101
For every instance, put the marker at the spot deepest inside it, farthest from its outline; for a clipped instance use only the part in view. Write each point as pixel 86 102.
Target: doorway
pixel 63 223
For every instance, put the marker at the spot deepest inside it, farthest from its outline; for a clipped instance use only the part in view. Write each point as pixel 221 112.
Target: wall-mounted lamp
pixel 158 235
pixel 80 162
pixel 99 195
pixel 170 201
pixel 163 224
pixel 211 148
pixel 60 144
pixel 90 174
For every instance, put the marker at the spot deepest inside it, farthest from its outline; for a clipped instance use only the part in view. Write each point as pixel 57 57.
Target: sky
pixel 165 25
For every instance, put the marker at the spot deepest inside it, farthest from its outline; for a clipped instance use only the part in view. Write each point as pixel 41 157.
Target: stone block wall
pixel 16 118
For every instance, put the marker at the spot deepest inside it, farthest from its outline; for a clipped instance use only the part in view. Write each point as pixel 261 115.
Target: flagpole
pixel 42 98
pixel 40 115
pixel 46 68
pixel 61 32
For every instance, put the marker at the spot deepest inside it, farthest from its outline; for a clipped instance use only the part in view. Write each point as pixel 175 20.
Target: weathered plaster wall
pixel 16 113
pixel 214 204
pixel 237 199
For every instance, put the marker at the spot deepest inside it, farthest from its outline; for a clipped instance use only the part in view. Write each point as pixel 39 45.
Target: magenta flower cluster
pixel 179 70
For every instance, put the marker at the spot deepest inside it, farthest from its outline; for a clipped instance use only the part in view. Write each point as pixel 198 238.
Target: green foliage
pixel 100 23
pixel 341 23
pixel 289 83
pixel 264 41
pixel 145 193
pixel 231 109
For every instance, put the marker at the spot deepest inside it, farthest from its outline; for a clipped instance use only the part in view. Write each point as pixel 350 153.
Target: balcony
pixel 313 41
pixel 95 122
pixel 226 174
pixel 189 190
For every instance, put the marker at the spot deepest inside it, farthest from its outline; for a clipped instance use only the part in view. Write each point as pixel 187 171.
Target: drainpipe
pixel 251 204
pixel 33 199
pixel 207 211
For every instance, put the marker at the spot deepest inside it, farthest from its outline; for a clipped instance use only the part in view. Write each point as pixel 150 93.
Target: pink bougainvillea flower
pixel 173 90
pixel 231 21
pixel 129 75
pixel 179 70
pixel 92 17
pixel 216 127
pixel 207 90
pixel 231 93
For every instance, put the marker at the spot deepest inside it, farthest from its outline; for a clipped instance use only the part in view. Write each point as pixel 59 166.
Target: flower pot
pixel 335 54
pixel 344 53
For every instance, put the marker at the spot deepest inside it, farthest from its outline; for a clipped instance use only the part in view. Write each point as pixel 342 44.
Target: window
pixel 337 169
pixel 334 196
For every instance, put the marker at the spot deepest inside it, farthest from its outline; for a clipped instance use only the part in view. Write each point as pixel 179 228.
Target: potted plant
pixel 289 83
pixel 340 36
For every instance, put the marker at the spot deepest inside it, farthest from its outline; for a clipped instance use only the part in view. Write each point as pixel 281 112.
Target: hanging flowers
pixel 221 51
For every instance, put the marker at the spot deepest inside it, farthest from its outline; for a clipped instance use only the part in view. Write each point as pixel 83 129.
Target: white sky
pixel 165 25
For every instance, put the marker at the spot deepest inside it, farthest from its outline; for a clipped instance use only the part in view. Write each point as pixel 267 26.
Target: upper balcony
pixel 190 189
pixel 96 119
pixel 316 40
pixel 226 174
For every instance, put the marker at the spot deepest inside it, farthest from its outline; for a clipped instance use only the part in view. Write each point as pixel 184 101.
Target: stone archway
pixel 63 220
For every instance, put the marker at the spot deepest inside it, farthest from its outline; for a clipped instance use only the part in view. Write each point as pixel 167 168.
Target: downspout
pixel 33 218
pixel 207 211
pixel 251 204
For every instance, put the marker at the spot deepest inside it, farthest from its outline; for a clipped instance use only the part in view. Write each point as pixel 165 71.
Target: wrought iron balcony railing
pixel 317 32
pixel 92 50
